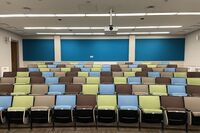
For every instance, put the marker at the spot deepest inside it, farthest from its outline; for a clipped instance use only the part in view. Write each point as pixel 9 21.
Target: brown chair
pixel 117 74
pixel 115 68
pixel 163 80
pixel 142 65
pixel 37 80
pixel 156 69
pixel 85 108
pixel 140 89
pixel 174 110
pixel 74 88
pixel 106 80
pixel 7 80
pixel 65 80
pixel 75 69
pixel 181 69
pixel 148 80
pixel 128 63
pixel 166 74
pixel 193 90
pixel 141 74
pixel 147 69
pixel 61 66
pixel 106 74
pixel 9 74
pixel 193 74
pixel 22 69
pixel 123 89
pixel 6 89
pixel 79 80
pixel 59 74
pixel 35 74
pixel 39 89
pixel 172 66
pixel 48 63
pixel 71 74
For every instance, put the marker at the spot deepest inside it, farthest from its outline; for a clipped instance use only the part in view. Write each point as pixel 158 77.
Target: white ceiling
pixel 189 23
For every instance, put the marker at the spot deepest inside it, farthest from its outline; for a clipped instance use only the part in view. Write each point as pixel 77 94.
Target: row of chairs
pixel 57 89
pixel 102 80
pixel 167 110
pixel 102 74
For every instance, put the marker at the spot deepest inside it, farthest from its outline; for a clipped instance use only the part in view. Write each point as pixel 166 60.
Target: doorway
pixel 14 55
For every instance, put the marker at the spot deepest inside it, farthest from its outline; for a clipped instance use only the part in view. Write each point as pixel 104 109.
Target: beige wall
pixel 192 49
pixel 5 48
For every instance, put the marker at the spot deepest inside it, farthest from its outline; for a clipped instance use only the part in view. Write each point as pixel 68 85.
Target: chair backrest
pixel 74 88
pixel 9 74
pixel 24 80
pixel 178 81
pixel 93 80
pixel 182 69
pixel 59 74
pixel 154 74
pixel 170 69
pixel 45 100
pixel 35 74
pixel 57 88
pixel 141 74
pixel 193 74
pixel 96 69
pixel 83 74
pixel 26 89
pixel 127 100
pixel 106 80
pixel 123 89
pixel 107 89
pixel 86 100
pixel 72 74
pixel 176 89
pixel 94 74
pixel 117 74
pixel 84 69
pixel 39 89
pixel 193 90
pixel 136 69
pixel 192 103
pixel 65 80
pixel 172 102
pixel 22 74
pixel 51 66
pixel 129 74
pixel 140 89
pixel 133 66
pixel 149 102
pixel 105 69
pixel 166 74
pixel 6 88
pixel 148 80
pixel 180 74
pixel 55 70
pixel 102 100
pixel 78 65
pixel 97 65
pixel 120 80
pixel 65 69
pixel 23 101
pixel 44 69
pixel 79 80
pixel 90 89
pixel 163 80
pixel 134 80
pixel 106 65
pixel 37 80
pixel 47 74
pixel 158 69
pixel 66 100
pixel 193 81
pixel 158 89
pixel 7 80
pixel 106 74
pixel 51 80
pixel 5 101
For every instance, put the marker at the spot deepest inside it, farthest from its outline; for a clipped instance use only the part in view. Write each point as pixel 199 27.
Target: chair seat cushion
pixel 2 108
pixel 106 107
pixel 62 107
pixel 54 93
pixel 197 114
pixel 152 111
pixel 178 94
pixel 13 109
pixel 128 108
pixel 159 94
pixel 40 108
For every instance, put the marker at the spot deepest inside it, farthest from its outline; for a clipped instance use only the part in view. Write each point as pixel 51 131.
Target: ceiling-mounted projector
pixel 110 30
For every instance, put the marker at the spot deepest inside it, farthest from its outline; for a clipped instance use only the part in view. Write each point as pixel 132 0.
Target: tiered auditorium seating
pixel 82 93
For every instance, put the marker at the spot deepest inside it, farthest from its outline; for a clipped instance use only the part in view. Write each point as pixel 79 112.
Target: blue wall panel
pixel 100 49
pixel 38 49
pixel 168 49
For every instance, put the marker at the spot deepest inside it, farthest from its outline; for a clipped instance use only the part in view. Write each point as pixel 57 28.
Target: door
pixel 14 55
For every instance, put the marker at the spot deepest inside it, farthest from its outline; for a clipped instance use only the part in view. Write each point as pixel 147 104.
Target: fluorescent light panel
pixel 70 33
pixel 141 33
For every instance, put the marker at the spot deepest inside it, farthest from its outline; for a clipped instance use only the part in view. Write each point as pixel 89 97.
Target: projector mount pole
pixel 111 22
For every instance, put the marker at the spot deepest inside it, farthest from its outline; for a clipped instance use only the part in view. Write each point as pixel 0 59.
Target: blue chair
pixel 94 74
pixel 84 69
pixel 170 69
pixel 178 81
pixel 5 102
pixel 106 89
pixel 51 80
pixel 47 74
pixel 105 65
pixel 33 69
pixel 134 80
pixel 56 89
pixel 105 69
pixel 57 63
pixel 177 90
pixel 128 108
pixel 154 74
pixel 64 108
pixel 51 66
pixel 133 66
pixel 79 65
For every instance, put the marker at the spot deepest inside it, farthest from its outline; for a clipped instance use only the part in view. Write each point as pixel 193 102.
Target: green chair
pixel 151 65
pixel 42 66
pixel 93 80
pixel 136 69
pixel 21 90
pixel 83 74
pixel 120 80
pixel 22 74
pixel 151 111
pixel 90 89
pixel 24 80
pixel 44 69
pixel 65 69
pixel 193 81
pixel 106 108
pixel 97 65
pixel 129 74
pixel 19 112
pixel 159 90
pixel 96 69
pixel 180 74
